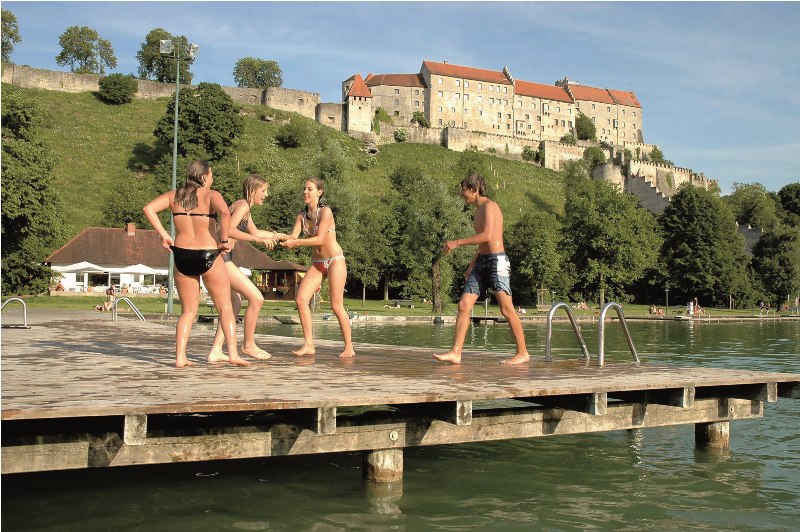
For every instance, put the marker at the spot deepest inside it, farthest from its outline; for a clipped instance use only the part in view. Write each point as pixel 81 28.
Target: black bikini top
pixel 212 215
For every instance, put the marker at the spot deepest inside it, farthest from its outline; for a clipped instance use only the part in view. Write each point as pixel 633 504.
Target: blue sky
pixel 719 82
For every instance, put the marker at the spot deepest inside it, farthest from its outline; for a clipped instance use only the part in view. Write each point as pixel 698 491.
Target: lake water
pixel 652 479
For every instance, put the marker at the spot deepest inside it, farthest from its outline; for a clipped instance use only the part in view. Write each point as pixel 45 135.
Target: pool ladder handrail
pixel 602 333
pixel 548 344
pixel 130 304
pixel 24 309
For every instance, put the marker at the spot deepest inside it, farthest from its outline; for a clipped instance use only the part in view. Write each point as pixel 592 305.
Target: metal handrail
pixel 602 334
pixel 130 304
pixel 547 355
pixel 24 309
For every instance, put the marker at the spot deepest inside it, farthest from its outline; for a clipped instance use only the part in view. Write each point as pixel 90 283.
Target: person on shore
pixel 196 252
pixel 255 189
pixel 327 260
pixel 490 267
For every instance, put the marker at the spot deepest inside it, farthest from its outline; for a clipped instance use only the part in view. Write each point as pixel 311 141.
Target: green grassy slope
pixel 97 145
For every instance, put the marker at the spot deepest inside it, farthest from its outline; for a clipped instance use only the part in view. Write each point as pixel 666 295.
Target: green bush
pixel 291 135
pixel 593 156
pixel 529 154
pixel 118 88
pixel 401 135
pixel 419 118
pixel 568 139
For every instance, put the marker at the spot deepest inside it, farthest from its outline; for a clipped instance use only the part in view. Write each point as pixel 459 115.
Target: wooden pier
pixel 82 391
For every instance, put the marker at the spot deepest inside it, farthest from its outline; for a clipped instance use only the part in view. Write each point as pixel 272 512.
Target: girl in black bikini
pixel 196 253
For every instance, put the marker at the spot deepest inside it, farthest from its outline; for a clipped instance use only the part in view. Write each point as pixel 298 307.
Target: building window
pixel 623 111
pixel 569 123
pixel 529 126
pixel 458 96
pixel 491 101
pixel 416 104
pixel 634 113
pixel 508 126
pixel 440 121
pixel 508 115
pixel 458 83
pixel 440 81
pixel 499 115
pixel 397 91
pixel 416 92
pixel 440 94
pixel 533 105
pixel 542 128
pixel 397 102
pixel 538 118
pixel 563 123
pixel 480 113
pixel 556 121
pixel 608 109
pixel 558 109
pixel 397 113
pixel 634 126
pixel 452 109
pixel 569 111
pixel 527 117
pixel 623 124
pixel 491 88
pixel 546 107
pixel 480 97
pixel 480 86
pixel 466 96
pixel 505 90
pixel 466 86
pixel 623 134
pixel 440 108
pixel 453 123
pixel 592 106
pixel 592 120
pixel 608 121
pixel 465 125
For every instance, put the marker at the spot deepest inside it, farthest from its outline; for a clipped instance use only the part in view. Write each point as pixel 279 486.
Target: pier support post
pixel 713 435
pixel 383 465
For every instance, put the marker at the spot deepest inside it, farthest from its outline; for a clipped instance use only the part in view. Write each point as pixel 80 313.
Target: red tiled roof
pixel 625 98
pixel 456 71
pixel 537 90
pixel 359 88
pixel 398 80
pixel 592 94
pixel 112 247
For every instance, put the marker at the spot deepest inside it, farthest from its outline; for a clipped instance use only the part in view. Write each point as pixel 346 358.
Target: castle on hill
pixel 491 101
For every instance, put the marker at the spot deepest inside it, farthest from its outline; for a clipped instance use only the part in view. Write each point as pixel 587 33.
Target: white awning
pixel 80 267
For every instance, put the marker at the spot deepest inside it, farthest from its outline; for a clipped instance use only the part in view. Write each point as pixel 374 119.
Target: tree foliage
pixel 209 123
pixel 85 51
pixel 584 127
pixel 752 204
pixel 789 197
pixel 257 73
pixel 10 34
pixel 418 117
pixel 608 240
pixel 568 139
pixel 776 263
pixel 703 253
pixel 593 156
pixel 532 247
pixel 31 209
pixel 118 88
pixel 156 67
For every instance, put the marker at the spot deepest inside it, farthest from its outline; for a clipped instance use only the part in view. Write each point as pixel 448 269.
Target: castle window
pixel 480 97
pixel 563 123
pixel 465 125
pixel 499 115
pixel 623 111
pixel 491 88
pixel 458 96
pixel 608 109
pixel 466 96
pixel 508 115
pixel 634 126
pixel 623 134
pixel 491 101
pixel 592 106
pixel 558 109
pixel 466 86
pixel 634 113
pixel 397 91
pixel 569 123
pixel 480 113
pixel 480 86
pixel 527 117
pixel 533 105
pixel 519 103
pixel 505 90
pixel 529 126
pixel 416 104
pixel 416 92
pixel 453 123
pixel 569 111
pixel 397 113
pixel 440 94
pixel 458 83
pixel 538 118
pixel 508 126
pixel 608 121
pixel 592 120
pixel 623 124
pixel 440 81
pixel 397 102
pixel 453 110
pixel 542 128
pixel 440 121
pixel 440 108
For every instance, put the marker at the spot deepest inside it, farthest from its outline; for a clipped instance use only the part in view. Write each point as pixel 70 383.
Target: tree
pixel 609 241
pixel 532 248
pixel 10 34
pixel 790 202
pixel 156 67
pixel 657 156
pixel 85 51
pixel 257 73
pixel 118 88
pixel 209 123
pixel 752 204
pixel 585 128
pixel 418 117
pixel 127 198
pixel 593 156
pixel 568 139
pixel 776 263
pixel 31 209
pixel 703 254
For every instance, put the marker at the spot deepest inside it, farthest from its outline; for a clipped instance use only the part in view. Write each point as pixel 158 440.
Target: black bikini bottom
pixel 194 261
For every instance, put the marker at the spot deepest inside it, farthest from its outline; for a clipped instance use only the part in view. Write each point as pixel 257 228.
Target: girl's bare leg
pixel 255 300
pixel 216 354
pixel 219 287
pixel 337 275
pixel 189 294
pixel 309 285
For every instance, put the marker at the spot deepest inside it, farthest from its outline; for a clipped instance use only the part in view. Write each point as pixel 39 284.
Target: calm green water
pixel 630 480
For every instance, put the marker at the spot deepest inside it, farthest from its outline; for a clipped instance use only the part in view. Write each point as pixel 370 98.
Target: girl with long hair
pixel 327 260
pixel 255 190
pixel 196 251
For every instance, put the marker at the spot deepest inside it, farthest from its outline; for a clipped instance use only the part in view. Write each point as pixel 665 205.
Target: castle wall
pixel 399 102
pixel 555 153
pixel 331 115
pixel 611 173
pixel 416 134
pixel 301 102
pixel 665 177
pixel 650 197
pixel 359 114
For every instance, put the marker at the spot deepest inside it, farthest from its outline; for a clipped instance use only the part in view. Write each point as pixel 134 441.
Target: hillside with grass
pixel 100 147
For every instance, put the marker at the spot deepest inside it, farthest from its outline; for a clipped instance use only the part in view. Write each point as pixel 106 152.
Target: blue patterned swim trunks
pixel 490 270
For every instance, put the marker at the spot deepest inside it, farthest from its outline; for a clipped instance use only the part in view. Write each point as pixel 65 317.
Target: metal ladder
pixel 24 312
pixel 601 337
pixel 130 304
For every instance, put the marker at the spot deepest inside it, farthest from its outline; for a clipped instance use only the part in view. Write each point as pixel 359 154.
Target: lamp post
pixel 666 305
pixel 167 48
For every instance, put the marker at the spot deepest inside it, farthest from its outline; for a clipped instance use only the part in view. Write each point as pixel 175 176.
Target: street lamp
pixel 168 48
pixel 666 306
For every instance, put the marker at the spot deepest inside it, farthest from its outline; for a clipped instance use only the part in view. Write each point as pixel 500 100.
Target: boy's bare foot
pixel 305 350
pixel 519 358
pixel 215 357
pixel 348 353
pixel 256 352
pixel 239 361
pixel 180 363
pixel 451 357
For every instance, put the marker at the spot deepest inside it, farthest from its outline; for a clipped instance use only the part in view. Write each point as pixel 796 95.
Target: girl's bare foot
pixel 182 362
pixel 214 357
pixel 305 350
pixel 348 353
pixel 519 358
pixel 238 361
pixel 256 352
pixel 452 357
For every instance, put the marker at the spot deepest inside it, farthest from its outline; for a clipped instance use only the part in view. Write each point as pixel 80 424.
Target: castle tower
pixel 357 104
